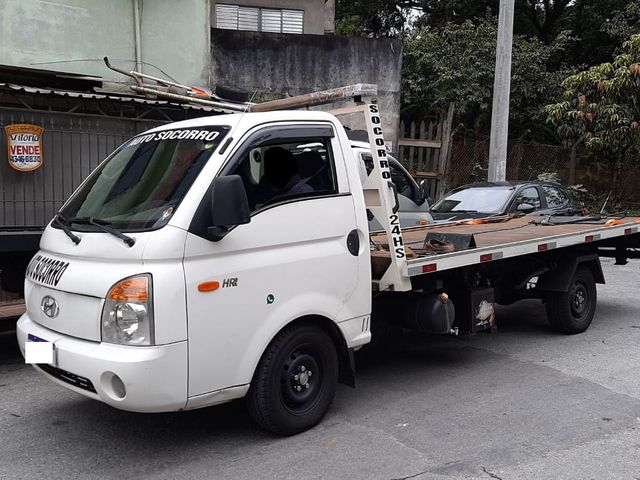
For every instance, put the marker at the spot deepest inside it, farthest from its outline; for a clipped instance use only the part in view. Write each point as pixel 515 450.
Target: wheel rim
pixel 301 380
pixel 579 299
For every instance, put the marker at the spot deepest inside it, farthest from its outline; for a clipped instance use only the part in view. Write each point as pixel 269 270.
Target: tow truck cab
pixel 172 270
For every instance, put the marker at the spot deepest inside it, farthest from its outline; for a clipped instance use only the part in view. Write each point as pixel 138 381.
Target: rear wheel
pixel 572 311
pixel 295 381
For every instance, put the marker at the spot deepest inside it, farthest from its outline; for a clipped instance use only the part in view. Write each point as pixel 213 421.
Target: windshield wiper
pixel 60 220
pixel 105 226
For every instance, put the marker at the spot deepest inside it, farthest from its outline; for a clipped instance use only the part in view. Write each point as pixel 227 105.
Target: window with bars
pixel 274 20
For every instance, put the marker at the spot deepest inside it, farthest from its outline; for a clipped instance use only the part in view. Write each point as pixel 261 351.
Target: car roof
pixel 508 183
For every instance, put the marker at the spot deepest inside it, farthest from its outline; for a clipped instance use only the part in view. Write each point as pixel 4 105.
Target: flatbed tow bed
pixel 507 239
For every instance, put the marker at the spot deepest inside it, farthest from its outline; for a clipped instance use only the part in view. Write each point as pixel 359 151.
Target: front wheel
pixel 572 311
pixel 295 381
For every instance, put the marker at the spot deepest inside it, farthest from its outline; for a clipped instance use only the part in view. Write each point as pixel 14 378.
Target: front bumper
pixel 153 379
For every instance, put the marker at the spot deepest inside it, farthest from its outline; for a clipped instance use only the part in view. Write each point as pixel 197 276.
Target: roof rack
pixel 177 92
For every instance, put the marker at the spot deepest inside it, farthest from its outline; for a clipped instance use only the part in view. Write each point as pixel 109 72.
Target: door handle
pixel 353 243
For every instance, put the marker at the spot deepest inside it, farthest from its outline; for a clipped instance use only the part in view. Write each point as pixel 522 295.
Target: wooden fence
pixel 424 148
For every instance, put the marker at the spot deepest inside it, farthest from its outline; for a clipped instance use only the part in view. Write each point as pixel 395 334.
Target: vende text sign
pixel 24 144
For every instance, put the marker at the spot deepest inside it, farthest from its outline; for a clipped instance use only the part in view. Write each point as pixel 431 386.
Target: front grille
pixel 68 377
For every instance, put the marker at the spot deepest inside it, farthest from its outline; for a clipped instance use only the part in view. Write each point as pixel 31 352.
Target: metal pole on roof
pixel 136 32
pixel 501 92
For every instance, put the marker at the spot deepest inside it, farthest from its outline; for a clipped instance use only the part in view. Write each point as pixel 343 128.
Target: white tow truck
pixel 230 256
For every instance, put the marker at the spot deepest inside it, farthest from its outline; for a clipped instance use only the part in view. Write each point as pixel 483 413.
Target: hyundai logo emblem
pixel 50 307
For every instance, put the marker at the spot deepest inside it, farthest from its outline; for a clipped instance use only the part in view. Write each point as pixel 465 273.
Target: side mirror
pixel 422 193
pixel 229 206
pixel 525 208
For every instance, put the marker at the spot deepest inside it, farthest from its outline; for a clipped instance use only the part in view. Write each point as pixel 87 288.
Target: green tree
pixel 602 104
pixel 602 107
pixel 437 13
pixel 543 18
pixel 587 22
pixel 374 18
pixel 456 64
pixel 624 23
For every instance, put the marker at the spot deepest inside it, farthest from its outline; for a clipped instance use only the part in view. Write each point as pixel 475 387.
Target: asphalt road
pixel 524 403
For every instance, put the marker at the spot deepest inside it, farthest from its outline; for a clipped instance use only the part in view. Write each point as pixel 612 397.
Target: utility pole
pixel 501 91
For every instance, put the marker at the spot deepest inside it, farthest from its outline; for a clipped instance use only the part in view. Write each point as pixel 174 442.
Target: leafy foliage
pixel 438 13
pixel 542 18
pixel 450 51
pixel 624 23
pixel 373 18
pixel 456 64
pixel 602 104
pixel 587 22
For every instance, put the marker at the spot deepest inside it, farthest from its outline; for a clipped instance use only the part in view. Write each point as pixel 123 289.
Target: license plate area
pixel 38 350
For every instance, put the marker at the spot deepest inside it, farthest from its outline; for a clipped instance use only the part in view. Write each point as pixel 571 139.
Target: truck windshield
pixel 140 186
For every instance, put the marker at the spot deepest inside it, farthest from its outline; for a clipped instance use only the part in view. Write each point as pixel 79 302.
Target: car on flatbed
pixel 476 200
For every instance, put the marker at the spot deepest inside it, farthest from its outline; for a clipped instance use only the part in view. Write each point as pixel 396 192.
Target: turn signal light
pixel 477 221
pixel 208 286
pixel 134 289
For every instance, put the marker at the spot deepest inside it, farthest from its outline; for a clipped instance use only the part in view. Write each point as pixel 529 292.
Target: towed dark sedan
pixel 485 199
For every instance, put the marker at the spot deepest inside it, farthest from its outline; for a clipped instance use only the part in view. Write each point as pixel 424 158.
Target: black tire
pixel 279 399
pixel 234 94
pixel 571 312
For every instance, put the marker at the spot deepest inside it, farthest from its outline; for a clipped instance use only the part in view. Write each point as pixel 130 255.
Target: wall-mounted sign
pixel 24 143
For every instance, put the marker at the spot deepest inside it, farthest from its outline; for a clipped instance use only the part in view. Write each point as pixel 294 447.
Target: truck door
pixel 411 212
pixel 291 260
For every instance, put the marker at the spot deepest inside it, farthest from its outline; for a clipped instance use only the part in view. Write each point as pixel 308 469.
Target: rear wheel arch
pixel 559 279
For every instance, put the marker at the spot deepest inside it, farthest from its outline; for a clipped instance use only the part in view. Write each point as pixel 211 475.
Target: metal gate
pixel 73 145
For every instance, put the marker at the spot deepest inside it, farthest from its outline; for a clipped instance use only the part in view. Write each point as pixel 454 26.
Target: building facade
pixel 153 36
pixel 312 17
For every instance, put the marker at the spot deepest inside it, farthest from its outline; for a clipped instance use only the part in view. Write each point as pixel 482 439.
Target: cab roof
pixel 249 119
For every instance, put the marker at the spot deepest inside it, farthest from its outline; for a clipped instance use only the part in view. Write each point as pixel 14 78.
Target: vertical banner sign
pixel 382 200
pixel 24 144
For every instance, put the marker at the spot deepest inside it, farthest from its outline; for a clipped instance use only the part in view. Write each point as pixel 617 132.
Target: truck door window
pixel 403 183
pixel 287 170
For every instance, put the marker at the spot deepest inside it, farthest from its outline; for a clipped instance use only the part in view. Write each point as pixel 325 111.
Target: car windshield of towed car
pixel 478 199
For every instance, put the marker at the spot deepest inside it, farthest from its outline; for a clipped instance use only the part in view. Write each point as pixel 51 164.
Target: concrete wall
pixel 43 34
pixel 175 36
pixel 74 35
pixel 278 65
pixel 313 11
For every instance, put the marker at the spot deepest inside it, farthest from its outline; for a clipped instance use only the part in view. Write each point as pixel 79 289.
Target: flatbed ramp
pixel 476 241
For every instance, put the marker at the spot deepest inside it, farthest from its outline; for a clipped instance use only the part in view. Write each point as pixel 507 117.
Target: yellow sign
pixel 24 144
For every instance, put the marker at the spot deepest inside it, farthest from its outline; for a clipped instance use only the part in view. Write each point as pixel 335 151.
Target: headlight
pixel 127 316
